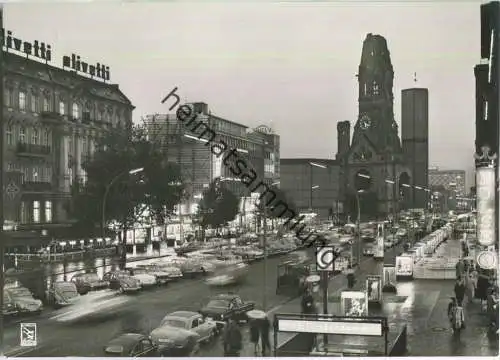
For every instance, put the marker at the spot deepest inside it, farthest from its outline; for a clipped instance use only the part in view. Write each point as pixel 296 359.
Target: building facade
pixel 313 184
pixel 259 147
pixel 52 117
pixel 451 180
pixel 415 141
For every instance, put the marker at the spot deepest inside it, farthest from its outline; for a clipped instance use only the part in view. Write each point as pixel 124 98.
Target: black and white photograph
pixel 172 169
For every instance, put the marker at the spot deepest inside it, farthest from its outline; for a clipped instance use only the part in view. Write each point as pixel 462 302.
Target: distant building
pixel 259 148
pixel 415 140
pixel 449 180
pixel 313 184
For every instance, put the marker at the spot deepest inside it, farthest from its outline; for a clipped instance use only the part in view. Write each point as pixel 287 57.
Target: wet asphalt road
pixel 145 310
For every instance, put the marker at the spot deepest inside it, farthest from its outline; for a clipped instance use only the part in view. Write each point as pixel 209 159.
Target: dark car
pixel 88 282
pixel 131 345
pixel 122 282
pixel 224 306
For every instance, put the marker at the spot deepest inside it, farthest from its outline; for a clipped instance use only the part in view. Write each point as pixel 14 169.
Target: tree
pixel 218 206
pixel 154 190
pixel 274 202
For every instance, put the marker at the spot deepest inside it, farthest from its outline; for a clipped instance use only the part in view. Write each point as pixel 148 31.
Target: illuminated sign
pixel 404 266
pixel 37 49
pixel 374 288
pixel 485 193
pixel 331 326
pixel 379 249
pixel 354 303
pixel 98 70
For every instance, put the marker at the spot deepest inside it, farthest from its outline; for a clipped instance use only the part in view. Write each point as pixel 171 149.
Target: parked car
pixel 23 300
pixel 368 251
pixel 88 282
pixel 122 281
pixel 9 308
pixel 224 306
pixel 183 331
pixel 141 275
pixel 174 272
pixel 62 293
pixel 131 345
pixel 162 277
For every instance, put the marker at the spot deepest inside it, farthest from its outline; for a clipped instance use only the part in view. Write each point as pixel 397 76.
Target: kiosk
pixel 404 266
pixel 374 289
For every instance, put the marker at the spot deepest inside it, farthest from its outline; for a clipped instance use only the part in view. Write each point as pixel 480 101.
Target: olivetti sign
pixel 43 51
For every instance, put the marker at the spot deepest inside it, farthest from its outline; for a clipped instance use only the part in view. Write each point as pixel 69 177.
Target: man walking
pixel 232 339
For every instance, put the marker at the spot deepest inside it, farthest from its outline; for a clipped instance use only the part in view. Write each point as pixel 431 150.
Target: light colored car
pixel 174 272
pixel 122 282
pixel 162 277
pixel 23 300
pixel 178 329
pixel 229 275
pixel 141 275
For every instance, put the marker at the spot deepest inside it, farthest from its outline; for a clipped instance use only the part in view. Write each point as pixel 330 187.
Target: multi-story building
pixel 200 164
pixel 449 180
pixel 52 117
pixel 313 184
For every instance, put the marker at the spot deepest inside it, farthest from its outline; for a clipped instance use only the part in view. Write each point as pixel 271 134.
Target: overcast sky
pixel 291 66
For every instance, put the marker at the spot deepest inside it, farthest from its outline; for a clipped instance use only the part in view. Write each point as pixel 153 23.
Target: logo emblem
pixel 12 190
pixel 487 260
pixel 324 258
pixel 28 334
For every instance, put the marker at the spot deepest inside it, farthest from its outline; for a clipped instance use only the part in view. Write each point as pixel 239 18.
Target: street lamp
pixel 311 165
pixel 358 225
pixel 106 192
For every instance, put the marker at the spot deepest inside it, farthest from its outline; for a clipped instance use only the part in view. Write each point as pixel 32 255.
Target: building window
pixel 36 211
pixel 35 137
pixel 34 102
pixel 8 135
pixel 22 134
pixel 22 100
pixel 8 97
pixel 62 108
pixel 35 175
pixel 46 103
pixel 485 110
pixel 46 137
pixel 365 90
pixel 76 111
pixel 22 210
pixel 48 211
pixel 376 90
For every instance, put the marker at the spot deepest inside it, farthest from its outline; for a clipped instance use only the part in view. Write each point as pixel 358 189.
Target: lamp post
pixel 358 221
pixel 311 165
pixel 105 196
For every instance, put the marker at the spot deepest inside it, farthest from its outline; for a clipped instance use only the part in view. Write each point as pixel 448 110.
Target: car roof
pixel 183 314
pixel 225 296
pixel 126 340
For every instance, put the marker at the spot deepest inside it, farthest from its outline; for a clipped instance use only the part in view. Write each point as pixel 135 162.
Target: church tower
pixel 374 162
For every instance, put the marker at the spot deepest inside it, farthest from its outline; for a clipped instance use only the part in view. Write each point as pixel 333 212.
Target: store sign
pixel 43 51
pixel 354 303
pixel 379 249
pixel 404 266
pixel 374 288
pixel 331 326
pixel 389 275
pixel 485 193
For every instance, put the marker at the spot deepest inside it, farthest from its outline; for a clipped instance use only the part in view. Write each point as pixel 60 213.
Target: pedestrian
pixel 459 268
pixel 232 339
pixel 265 329
pixel 460 291
pixel 351 280
pixel 254 335
pixel 469 285
pixel 482 287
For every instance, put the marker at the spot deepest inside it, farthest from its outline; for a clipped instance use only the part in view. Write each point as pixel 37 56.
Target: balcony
pixel 24 149
pixel 51 116
pixel 36 186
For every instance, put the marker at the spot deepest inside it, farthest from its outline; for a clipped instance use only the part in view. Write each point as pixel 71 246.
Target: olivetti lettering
pixel 37 49
pixel 74 62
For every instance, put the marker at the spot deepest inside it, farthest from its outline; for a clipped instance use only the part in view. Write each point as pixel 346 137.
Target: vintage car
pixel 62 293
pixel 195 267
pixel 162 277
pixel 182 332
pixel 174 272
pixel 187 248
pixel 131 345
pixel 88 282
pixel 9 308
pixel 23 300
pixel 229 275
pixel 122 281
pixel 224 306
pixel 141 275
pixel 368 251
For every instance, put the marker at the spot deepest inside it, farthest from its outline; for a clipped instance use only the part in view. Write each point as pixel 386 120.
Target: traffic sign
pixel 325 258
pixel 12 190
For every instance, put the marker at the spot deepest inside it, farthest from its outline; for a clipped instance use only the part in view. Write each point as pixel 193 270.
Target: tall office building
pixel 415 140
